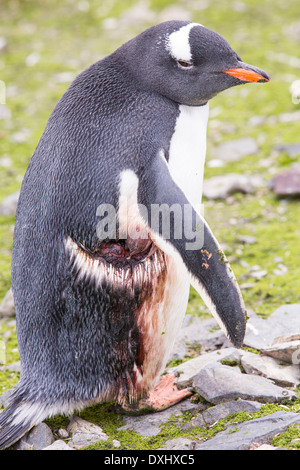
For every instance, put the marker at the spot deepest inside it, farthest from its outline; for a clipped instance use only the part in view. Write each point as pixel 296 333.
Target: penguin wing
pixel 188 237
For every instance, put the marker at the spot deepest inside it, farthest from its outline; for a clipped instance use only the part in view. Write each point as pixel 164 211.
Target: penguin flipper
pixel 198 249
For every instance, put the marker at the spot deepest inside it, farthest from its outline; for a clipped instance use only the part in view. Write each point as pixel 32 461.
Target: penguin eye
pixel 186 65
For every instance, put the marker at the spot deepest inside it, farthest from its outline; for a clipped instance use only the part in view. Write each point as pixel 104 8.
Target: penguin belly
pixel 140 297
pixel 139 292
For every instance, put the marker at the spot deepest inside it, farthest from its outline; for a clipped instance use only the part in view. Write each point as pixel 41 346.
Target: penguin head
pixel 186 62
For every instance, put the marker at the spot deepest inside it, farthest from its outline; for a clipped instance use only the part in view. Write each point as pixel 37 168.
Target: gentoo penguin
pixel 109 235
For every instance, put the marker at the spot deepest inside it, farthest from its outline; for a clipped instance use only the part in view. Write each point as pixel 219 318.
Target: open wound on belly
pixel 128 264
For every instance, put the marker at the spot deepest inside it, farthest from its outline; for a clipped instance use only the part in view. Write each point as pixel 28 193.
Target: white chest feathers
pixel 188 149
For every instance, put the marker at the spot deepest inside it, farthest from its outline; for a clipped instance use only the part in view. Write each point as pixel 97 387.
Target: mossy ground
pixel 110 421
pixel 67 36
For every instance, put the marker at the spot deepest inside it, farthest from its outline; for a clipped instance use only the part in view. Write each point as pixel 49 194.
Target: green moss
pixel 232 430
pixel 289 439
pixel 174 363
pixel 227 362
pixel 57 422
pixel 252 350
pixel 9 354
pixel 8 380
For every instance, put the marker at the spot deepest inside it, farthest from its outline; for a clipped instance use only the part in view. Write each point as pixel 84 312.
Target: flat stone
pixel 188 370
pixel 178 443
pixel 288 117
pixel 3 43
pixel 218 383
pixel 4 398
pixel 265 447
pixel 37 438
pixel 286 314
pixel 116 443
pixel 213 414
pixel 7 306
pixel 257 431
pixel 268 367
pixel 295 92
pixel 13 367
pixel 286 338
pixel 286 183
pixel 9 204
pixel 63 433
pixel 234 150
pixel 260 333
pixel 287 352
pixel 5 112
pixel 149 424
pixel 58 445
pixel 291 149
pixel 220 187
pixel 259 274
pixel 84 433
pixel 197 332
pixel 247 239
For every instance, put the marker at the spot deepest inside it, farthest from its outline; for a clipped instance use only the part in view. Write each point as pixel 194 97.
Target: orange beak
pixel 247 75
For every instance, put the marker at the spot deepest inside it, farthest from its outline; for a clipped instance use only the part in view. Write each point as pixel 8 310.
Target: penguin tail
pixel 18 418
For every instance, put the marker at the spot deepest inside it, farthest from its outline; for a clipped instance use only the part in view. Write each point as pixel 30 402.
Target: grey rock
pixel 268 367
pixel 4 398
pixel 197 332
pixel 37 438
pixel 116 443
pixel 188 370
pixel 264 447
pixel 7 306
pixel 259 274
pixel 178 443
pixel 286 338
pixel 287 183
pixel 291 149
pixel 257 431
pixel 218 383
pixel 63 433
pixel 286 314
pixel 295 92
pixel 5 112
pixel 287 352
pixel 58 445
pixel 220 187
pixel 288 117
pixel 260 333
pixel 84 433
pixel 9 204
pixel 149 424
pixel 3 43
pixel 215 413
pixel 14 367
pixel 234 150
pixel 247 239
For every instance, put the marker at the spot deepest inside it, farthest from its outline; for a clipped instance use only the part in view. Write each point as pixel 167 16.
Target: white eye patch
pixel 178 43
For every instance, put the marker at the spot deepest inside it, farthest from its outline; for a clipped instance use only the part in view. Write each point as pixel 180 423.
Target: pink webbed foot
pixel 164 394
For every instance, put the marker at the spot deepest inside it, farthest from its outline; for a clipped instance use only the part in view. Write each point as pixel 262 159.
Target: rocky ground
pixel 246 398
pixel 242 398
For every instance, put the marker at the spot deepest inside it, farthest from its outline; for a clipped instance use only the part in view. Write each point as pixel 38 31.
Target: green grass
pixel 67 39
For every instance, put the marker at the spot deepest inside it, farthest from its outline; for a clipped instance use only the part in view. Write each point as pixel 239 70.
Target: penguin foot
pixel 164 394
